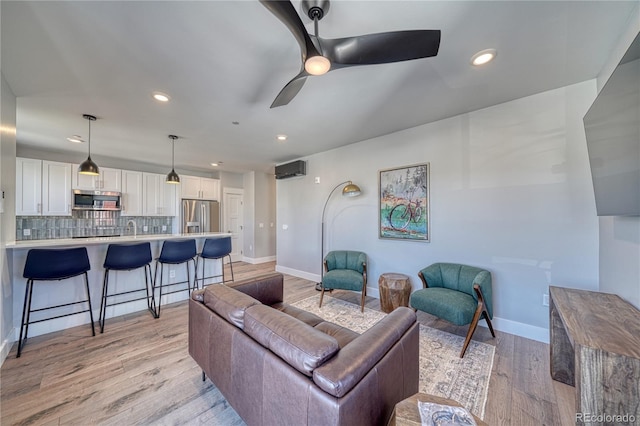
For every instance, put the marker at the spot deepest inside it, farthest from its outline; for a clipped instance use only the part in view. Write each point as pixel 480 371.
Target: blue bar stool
pixel 175 252
pixel 215 248
pixel 53 265
pixel 126 257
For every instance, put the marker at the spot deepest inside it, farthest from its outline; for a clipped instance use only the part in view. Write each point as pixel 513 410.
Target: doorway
pixel 233 199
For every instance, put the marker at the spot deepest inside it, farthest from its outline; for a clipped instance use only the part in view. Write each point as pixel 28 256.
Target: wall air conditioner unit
pixel 296 168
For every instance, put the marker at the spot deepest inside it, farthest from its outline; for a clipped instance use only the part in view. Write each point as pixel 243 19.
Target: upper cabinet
pixel 108 180
pixel 159 197
pixel 200 188
pixel 132 199
pixel 43 188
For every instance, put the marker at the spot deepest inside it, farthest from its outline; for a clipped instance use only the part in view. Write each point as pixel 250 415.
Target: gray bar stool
pixel 175 252
pixel 126 257
pixel 53 265
pixel 215 249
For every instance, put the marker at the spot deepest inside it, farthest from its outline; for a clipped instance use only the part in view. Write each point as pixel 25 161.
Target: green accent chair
pixel 457 293
pixel 345 270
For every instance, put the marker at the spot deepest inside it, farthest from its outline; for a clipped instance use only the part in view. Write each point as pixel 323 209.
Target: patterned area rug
pixel 442 372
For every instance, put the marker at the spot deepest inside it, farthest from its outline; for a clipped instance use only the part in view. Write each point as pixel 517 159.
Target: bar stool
pixel 53 265
pixel 215 248
pixel 126 257
pixel 175 252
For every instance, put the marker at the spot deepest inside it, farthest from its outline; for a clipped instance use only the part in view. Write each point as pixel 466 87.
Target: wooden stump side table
pixel 395 290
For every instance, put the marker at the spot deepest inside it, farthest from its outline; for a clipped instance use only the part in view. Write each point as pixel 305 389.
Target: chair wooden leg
pixel 486 317
pixel 472 328
pixel 321 296
pixel 362 299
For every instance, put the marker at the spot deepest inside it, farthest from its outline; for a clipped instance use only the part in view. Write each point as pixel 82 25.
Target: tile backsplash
pixel 89 224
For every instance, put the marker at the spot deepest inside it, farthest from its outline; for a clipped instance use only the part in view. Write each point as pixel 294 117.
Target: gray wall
pixel 265 215
pixel 8 217
pixel 620 236
pixel 510 192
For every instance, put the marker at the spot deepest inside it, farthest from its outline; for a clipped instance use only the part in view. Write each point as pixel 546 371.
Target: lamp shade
pixel 173 177
pixel 351 190
pixel 88 167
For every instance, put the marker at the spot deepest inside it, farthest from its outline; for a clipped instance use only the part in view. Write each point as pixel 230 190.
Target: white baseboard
pixel 300 274
pixel 527 331
pixel 7 344
pixel 532 332
pixel 257 260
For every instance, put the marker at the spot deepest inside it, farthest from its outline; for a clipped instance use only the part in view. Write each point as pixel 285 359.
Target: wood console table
pixel 595 346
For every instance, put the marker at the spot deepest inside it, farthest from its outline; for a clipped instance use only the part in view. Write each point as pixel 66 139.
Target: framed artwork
pixel 404 203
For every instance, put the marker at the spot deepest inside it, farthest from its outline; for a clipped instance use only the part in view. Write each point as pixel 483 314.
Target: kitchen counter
pixel 58 292
pixel 70 242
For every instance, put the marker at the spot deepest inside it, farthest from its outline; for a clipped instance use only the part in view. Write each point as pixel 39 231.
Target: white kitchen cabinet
pixel 132 193
pixel 107 180
pixel 159 197
pixel 43 188
pixel 200 188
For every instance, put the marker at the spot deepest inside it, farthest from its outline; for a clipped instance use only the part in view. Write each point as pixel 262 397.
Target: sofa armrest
pixel 341 373
pixel 267 288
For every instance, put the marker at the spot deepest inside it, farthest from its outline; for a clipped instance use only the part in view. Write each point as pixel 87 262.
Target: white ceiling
pixel 225 61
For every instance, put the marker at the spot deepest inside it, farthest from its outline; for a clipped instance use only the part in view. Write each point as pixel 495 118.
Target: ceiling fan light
pixel 317 65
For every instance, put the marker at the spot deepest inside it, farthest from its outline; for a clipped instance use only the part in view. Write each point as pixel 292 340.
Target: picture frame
pixel 404 204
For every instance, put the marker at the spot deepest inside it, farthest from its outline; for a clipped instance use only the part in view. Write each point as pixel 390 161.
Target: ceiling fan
pixel 321 55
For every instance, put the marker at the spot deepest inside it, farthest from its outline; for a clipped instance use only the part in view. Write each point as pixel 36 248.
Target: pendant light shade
pixel 173 177
pixel 88 167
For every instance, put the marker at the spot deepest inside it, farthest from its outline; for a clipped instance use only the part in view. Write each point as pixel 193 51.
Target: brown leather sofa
pixel 279 365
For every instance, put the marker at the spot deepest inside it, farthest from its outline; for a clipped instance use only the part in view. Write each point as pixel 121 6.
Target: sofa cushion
pixel 304 316
pixel 300 345
pixel 344 336
pixel 230 304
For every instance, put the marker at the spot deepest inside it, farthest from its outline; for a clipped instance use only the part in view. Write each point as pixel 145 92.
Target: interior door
pixel 233 214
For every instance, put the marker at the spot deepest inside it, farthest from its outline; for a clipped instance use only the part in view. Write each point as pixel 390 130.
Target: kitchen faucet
pixel 135 227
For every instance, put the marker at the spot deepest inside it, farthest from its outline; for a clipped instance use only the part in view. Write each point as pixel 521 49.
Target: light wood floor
pixel 139 372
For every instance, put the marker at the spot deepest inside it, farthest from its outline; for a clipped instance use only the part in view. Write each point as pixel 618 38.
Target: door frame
pixel 240 241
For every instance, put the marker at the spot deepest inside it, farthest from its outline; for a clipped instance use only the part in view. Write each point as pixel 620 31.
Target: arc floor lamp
pixel 350 190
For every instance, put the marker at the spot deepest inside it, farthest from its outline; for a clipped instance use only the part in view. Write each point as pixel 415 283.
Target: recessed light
pixel 75 139
pixel 161 97
pixel 214 164
pixel 281 137
pixel 483 57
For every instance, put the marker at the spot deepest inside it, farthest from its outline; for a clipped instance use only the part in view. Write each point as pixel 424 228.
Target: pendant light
pixel 88 167
pixel 173 177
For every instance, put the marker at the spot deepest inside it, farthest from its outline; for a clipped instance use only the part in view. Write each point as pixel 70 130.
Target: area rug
pixel 442 372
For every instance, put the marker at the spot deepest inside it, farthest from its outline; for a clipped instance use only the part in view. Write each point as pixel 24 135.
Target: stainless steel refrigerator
pixel 200 216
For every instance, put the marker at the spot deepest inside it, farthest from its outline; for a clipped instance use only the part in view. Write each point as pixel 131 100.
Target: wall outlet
pixel 164 228
pixel 545 300
pixel 26 232
pixel 317 180
pixel 250 247
pixel 172 273
pixel 145 228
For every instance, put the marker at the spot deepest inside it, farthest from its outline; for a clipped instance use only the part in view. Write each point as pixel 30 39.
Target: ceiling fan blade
pixel 286 13
pixel 290 90
pixel 381 48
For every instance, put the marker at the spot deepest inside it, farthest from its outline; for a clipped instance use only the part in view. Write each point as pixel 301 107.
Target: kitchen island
pixel 49 293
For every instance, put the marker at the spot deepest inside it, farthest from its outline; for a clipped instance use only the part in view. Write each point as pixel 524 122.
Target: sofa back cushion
pixel 229 303
pixel 300 345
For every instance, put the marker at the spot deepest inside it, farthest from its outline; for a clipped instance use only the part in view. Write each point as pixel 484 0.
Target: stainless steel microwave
pixel 96 200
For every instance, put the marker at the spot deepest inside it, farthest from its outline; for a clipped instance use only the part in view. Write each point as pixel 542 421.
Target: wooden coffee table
pixel 406 412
